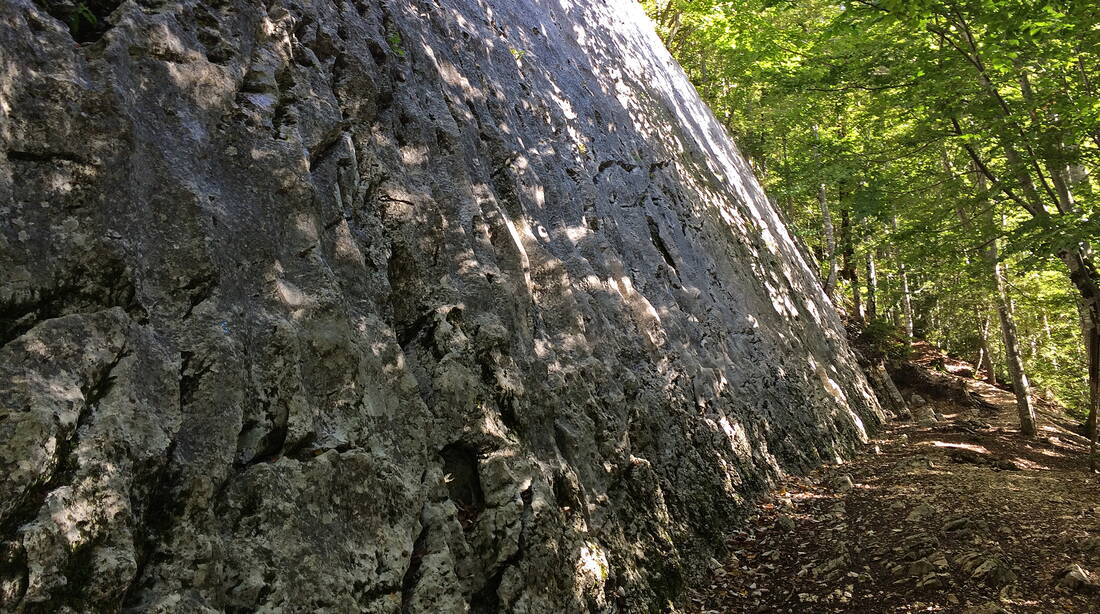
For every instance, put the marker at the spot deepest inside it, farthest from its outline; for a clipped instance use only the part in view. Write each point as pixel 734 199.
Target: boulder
pixel 843 483
pixel 1078 579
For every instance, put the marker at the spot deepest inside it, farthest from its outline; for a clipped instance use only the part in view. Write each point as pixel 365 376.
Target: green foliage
pixel 394 40
pixel 884 338
pixel 892 105
pixel 81 15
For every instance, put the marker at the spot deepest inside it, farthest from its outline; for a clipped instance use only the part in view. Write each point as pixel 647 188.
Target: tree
pixel 848 110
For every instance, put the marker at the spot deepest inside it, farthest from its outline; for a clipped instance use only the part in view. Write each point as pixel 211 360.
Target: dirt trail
pixel 959 515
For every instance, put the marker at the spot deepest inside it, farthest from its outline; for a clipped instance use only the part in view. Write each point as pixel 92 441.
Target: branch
pixel 865 88
pixel 988 84
pixel 974 157
pixel 872 5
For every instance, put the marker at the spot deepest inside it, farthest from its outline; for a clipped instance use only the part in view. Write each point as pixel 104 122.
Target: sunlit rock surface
pixel 407 306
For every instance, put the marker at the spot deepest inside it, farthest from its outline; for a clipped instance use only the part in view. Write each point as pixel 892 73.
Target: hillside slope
pixel 950 510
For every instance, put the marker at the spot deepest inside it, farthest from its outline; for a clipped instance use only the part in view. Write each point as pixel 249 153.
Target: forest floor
pixel 960 515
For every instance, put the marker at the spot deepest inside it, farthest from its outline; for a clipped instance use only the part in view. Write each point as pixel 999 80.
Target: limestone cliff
pixel 384 306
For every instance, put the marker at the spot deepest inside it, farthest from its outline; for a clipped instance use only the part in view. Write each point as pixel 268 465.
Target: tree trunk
pixel 1082 269
pixel 849 271
pixel 1049 341
pixel 1016 371
pixel 826 224
pixel 885 389
pixel 906 301
pixel 985 361
pixel 872 286
pixel 1086 278
pixel 1094 391
pixel 830 240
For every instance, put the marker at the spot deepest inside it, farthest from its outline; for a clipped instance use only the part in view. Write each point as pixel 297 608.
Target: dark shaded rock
pixel 385 306
pixel 925 384
pixel 986 568
pixel 843 483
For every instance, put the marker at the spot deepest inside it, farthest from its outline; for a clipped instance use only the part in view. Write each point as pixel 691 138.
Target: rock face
pixel 405 306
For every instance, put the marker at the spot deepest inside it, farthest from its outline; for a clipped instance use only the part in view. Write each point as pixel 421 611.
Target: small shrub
pixel 394 39
pixel 883 338
pixel 80 15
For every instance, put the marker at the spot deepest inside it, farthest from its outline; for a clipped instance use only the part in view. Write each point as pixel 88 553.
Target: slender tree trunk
pixel 673 25
pixel 1094 389
pixel 857 298
pixel 1016 371
pixel 1012 353
pixel 1060 178
pixel 1015 361
pixel 885 293
pixel 985 360
pixel 906 301
pixel 826 224
pixel 705 81
pixel 1049 341
pixel 1086 277
pixel 872 286
pixel 830 240
pixel 849 271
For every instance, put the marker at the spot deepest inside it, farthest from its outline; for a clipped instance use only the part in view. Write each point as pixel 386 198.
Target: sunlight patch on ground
pixel 1024 463
pixel 964 446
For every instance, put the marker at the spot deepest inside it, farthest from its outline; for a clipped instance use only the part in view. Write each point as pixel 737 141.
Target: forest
pixel 550 306
pixel 937 159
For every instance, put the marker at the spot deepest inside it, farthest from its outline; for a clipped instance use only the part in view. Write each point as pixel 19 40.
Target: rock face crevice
pixel 385 306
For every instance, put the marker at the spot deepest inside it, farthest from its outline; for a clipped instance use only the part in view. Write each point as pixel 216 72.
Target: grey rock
pixel 921 512
pixel 1091 547
pixel 988 568
pixel 961 523
pixel 386 306
pixel 834 567
pixel 914 463
pixel 963 527
pixel 925 415
pixel 843 483
pixel 916 546
pixel 1079 579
